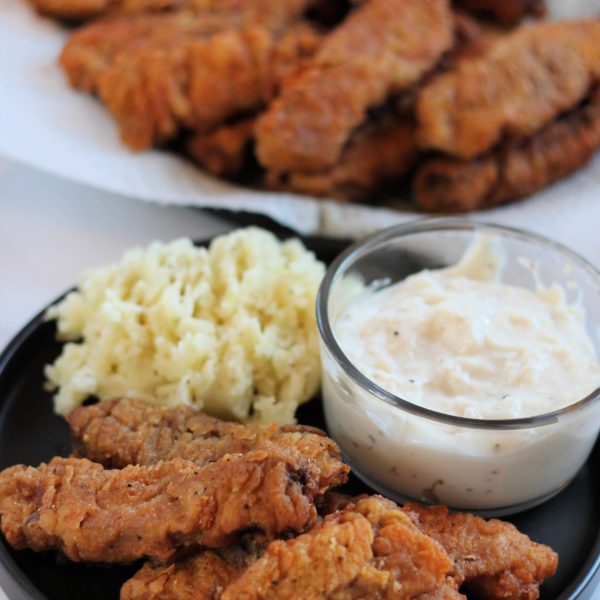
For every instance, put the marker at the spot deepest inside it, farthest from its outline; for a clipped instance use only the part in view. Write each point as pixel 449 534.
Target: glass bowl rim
pixel 429 224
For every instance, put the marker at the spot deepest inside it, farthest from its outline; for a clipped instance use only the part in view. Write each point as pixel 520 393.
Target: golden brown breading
pixel 381 150
pixel 226 151
pixel 92 49
pixel 173 75
pixel 120 432
pixel 371 549
pixel 333 560
pixel 202 576
pixel 493 559
pixel 382 48
pixel 453 185
pixel 508 12
pixel 193 83
pixel 377 155
pixel 92 514
pixel 522 83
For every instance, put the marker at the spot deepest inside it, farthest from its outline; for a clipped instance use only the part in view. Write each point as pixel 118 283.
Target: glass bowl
pixel 411 453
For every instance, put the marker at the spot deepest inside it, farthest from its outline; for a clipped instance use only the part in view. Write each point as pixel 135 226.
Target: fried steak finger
pixel 508 12
pixel 376 156
pixel 371 549
pixel 519 85
pixel 120 432
pixel 447 184
pixel 91 50
pixel 493 559
pixel 382 48
pixel 92 514
pixel 178 79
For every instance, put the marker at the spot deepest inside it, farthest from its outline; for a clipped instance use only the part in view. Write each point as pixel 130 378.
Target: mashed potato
pixel 230 329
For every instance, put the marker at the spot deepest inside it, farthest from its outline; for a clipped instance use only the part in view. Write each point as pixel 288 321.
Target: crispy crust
pixel 159 75
pixel 492 559
pixel 382 48
pixel 120 432
pixel 522 83
pixel 92 514
pixel 371 549
pixel 203 576
pixel 376 156
pixel 451 185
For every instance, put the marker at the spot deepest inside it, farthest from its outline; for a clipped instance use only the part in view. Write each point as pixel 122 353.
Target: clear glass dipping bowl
pixel 407 452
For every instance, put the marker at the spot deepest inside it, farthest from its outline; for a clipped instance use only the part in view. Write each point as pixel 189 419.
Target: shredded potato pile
pixel 230 329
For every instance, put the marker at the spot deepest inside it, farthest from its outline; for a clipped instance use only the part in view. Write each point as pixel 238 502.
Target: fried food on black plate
pixel 370 549
pixel 523 82
pixel 505 174
pixel 367 549
pixel 382 48
pixel 492 559
pixel 121 432
pixel 507 12
pixel 92 514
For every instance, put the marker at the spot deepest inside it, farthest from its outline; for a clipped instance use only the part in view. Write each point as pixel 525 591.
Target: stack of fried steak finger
pixel 347 99
pixel 227 511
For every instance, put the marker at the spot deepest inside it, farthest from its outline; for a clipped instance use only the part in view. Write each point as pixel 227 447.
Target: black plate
pixel 31 433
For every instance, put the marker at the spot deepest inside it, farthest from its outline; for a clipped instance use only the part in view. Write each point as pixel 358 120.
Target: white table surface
pixel 51 229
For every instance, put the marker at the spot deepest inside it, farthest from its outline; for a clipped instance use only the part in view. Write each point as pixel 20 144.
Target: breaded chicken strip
pixel 381 150
pixel 91 50
pixel 371 549
pixel 120 432
pixel 522 83
pixel 227 150
pixel 174 77
pixel 382 48
pixel 378 154
pixel 453 185
pixel 493 559
pixel 97 515
pixel 508 12
pixel 203 576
